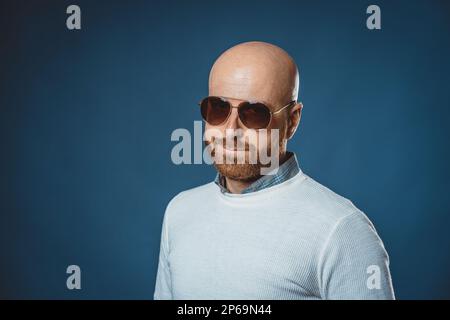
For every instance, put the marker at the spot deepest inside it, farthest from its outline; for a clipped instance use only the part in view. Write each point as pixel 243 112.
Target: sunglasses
pixel 253 115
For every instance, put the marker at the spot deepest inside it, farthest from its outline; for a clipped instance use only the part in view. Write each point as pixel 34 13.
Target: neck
pixel 237 186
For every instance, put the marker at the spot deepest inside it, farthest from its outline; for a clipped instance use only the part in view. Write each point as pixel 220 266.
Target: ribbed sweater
pixel 295 240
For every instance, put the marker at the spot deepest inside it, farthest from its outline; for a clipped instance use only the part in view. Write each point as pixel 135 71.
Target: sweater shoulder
pixel 324 201
pixel 193 195
pixel 319 211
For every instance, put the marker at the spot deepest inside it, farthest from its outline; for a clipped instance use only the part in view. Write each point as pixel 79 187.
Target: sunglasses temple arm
pixel 289 104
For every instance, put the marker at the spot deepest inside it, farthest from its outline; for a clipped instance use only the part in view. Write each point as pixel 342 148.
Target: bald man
pixel 264 229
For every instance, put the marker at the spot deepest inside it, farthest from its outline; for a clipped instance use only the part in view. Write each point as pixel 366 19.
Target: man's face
pixel 251 72
pixel 239 152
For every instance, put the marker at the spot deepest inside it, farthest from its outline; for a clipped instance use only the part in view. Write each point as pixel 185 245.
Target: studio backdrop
pixel 87 116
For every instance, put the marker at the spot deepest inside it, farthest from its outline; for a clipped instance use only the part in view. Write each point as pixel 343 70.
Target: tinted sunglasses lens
pixel 214 110
pixel 254 115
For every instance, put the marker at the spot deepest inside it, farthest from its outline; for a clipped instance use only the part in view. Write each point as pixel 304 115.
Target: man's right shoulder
pixel 191 197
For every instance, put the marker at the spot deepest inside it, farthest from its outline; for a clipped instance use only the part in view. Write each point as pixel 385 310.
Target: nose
pixel 233 120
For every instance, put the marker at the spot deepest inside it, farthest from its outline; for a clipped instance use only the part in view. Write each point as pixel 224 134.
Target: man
pixel 279 235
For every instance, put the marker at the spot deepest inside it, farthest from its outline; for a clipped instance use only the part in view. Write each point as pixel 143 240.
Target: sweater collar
pixel 288 169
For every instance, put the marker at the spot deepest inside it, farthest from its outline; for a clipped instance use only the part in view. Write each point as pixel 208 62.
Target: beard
pixel 247 171
pixel 243 171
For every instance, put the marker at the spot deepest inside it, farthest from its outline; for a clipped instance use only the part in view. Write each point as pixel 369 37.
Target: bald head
pixel 255 71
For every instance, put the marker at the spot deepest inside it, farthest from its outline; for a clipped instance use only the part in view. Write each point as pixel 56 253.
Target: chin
pixel 241 172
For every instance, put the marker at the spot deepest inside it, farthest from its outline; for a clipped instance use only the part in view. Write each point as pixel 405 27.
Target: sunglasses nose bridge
pixel 233 119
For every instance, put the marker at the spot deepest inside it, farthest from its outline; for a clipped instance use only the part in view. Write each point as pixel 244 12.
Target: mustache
pixel 234 144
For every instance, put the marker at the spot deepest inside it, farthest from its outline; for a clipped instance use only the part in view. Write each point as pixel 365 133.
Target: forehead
pixel 246 83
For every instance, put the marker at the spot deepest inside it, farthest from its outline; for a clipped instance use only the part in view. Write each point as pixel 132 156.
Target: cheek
pixel 264 138
pixel 251 137
pixel 279 123
pixel 212 132
pixel 207 126
pixel 260 140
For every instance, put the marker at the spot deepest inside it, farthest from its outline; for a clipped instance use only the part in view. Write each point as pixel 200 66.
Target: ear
pixel 295 113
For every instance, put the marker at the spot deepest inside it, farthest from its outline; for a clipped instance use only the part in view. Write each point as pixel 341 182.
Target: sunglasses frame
pixel 225 99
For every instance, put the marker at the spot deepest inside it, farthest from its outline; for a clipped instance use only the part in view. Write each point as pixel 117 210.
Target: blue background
pixel 86 118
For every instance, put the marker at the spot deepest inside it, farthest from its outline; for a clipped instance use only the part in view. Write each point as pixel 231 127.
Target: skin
pixel 255 71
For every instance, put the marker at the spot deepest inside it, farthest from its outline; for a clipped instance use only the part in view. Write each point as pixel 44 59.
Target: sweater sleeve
pixel 163 286
pixel 354 263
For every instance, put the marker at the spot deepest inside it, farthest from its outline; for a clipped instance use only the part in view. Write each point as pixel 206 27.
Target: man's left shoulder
pixel 323 202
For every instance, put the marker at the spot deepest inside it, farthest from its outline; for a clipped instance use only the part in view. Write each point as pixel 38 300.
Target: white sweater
pixel 295 240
